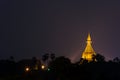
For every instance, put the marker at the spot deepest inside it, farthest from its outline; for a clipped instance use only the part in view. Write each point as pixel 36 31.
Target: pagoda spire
pixel 89 51
pixel 88 38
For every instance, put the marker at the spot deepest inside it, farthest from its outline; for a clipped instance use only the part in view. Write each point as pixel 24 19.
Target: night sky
pixel 34 27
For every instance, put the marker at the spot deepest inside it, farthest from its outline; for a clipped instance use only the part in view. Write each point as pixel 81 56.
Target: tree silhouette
pixel 83 61
pixel 116 59
pixel 52 56
pixel 98 58
pixel 60 64
pixel 12 58
pixel 34 63
pixel 45 57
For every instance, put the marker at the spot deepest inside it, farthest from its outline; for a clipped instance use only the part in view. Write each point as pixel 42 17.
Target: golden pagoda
pixel 89 51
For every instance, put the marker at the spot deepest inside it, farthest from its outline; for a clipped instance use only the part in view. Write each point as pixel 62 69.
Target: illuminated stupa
pixel 89 51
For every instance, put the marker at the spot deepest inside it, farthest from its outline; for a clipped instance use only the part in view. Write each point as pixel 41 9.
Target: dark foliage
pixel 61 68
pixel 99 58
pixel 45 57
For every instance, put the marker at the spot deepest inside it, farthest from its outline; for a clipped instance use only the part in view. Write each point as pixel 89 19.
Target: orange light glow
pixel 43 67
pixel 27 69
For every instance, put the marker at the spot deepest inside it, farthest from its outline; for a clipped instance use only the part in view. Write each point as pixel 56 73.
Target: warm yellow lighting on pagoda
pixel 89 51
pixel 89 38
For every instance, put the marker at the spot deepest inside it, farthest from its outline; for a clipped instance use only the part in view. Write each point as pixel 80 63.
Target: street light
pixel 43 67
pixel 27 69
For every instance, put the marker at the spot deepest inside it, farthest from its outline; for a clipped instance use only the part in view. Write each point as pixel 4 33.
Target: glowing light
pixel 27 69
pixel 48 69
pixel 43 67
pixel 89 51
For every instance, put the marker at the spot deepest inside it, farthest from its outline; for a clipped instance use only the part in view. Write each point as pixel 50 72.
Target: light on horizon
pixel 43 67
pixel 27 69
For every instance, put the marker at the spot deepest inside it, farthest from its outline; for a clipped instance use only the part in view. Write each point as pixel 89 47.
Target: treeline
pixel 60 68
